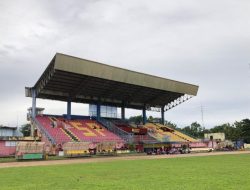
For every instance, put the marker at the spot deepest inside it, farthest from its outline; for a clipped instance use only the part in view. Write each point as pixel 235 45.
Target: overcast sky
pixel 200 42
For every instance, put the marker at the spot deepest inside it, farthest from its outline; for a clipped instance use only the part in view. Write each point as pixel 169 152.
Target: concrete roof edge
pixel 124 69
pixel 180 87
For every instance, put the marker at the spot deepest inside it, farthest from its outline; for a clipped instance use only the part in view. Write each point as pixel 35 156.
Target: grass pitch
pixel 198 173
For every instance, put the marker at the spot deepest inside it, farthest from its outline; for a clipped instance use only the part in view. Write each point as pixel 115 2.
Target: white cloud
pixel 201 42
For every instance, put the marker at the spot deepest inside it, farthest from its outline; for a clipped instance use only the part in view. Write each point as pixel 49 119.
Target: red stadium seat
pixel 82 130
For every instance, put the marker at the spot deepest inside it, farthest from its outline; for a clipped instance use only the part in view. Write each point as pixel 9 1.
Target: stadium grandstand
pixel 72 79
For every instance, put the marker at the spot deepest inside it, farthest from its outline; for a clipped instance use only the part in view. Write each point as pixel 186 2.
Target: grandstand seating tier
pixel 179 134
pixel 130 128
pixel 57 133
pixel 81 130
pixel 157 131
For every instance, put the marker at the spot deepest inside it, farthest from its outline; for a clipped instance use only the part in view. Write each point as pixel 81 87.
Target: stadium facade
pixel 71 79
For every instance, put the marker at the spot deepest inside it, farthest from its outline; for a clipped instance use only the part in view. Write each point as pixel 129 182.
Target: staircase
pixel 127 137
pixel 72 136
pixel 47 135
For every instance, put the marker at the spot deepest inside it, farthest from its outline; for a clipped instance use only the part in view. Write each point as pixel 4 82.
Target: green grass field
pixel 211 173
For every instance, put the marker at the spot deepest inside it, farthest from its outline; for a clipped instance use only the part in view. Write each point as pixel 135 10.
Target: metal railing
pixel 41 128
pixel 165 138
pixel 178 101
pixel 128 137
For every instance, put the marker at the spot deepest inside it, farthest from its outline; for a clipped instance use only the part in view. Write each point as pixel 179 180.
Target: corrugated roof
pixel 86 81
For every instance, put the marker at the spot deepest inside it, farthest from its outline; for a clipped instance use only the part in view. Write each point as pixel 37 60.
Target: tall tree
pixel 172 125
pixel 231 131
pixel 136 119
pixel 26 129
pixel 150 118
pixel 244 128
pixel 195 130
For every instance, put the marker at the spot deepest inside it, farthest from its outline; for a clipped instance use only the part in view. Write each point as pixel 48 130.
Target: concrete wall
pixel 7 148
pixel 216 136
pixel 247 145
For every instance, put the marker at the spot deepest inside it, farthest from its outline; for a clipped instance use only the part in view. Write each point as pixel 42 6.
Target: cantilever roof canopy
pixel 79 80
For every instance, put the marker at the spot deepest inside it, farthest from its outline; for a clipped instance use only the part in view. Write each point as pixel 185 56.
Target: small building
pixel 215 136
pixel 6 131
pixel 9 138
pixel 8 141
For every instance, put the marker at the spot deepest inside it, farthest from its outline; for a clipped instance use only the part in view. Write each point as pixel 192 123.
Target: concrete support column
pixel 33 91
pixel 123 112
pixel 69 109
pixel 162 115
pixel 144 117
pixel 98 111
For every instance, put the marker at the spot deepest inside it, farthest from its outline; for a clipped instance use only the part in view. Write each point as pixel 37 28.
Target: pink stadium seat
pixel 83 130
pixel 57 133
